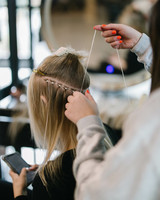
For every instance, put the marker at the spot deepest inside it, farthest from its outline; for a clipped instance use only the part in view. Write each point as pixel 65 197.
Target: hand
pixel 19 182
pixel 80 106
pixel 33 167
pixel 119 36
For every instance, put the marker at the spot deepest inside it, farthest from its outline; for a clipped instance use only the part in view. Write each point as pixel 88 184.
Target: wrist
pixel 19 192
pixel 141 46
pixel 87 121
pixel 139 35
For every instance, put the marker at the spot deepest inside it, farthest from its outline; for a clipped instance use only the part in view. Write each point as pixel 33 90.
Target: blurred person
pixel 18 129
pixel 18 96
pixel 130 170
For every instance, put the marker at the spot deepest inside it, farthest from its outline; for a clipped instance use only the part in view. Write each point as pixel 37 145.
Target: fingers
pixel 114 41
pixel 23 172
pixel 106 32
pixel 76 94
pixel 108 27
pixel 70 99
pixel 111 36
pixel 15 175
pixel 12 174
pixel 117 44
pixel 33 167
pixel 67 106
pixel 109 33
pixel 116 27
pixel 98 27
pixel 110 39
pixel 67 113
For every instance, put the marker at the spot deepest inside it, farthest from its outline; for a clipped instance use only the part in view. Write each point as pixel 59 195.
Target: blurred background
pixel 31 29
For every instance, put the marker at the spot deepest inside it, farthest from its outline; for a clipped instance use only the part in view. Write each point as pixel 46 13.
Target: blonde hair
pixel 50 127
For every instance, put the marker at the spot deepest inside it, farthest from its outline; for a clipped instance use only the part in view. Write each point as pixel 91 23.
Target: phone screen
pixel 16 163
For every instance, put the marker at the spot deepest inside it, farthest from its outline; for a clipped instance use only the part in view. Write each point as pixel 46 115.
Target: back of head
pixel 54 80
pixel 155 42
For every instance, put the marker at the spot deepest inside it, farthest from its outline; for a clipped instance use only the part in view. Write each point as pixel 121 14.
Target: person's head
pixel 155 42
pixel 49 86
pixel 18 90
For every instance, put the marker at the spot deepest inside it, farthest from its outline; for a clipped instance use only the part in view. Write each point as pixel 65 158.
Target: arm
pixel 120 173
pixel 90 154
pixel 91 124
pixel 19 183
pixel 129 38
pixel 144 51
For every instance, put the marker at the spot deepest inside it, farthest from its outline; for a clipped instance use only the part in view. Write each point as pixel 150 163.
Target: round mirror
pixel 70 23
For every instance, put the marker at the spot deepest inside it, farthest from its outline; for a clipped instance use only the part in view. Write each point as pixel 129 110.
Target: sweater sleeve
pixel 22 197
pixel 93 126
pixel 119 173
pixel 144 51
pixel 90 151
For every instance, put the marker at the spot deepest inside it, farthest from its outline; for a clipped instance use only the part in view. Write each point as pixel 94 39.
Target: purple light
pixel 109 69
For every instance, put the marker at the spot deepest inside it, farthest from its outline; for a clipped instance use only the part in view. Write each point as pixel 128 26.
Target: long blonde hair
pixel 46 103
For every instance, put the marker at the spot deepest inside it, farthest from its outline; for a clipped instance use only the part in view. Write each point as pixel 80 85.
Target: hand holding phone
pixel 16 163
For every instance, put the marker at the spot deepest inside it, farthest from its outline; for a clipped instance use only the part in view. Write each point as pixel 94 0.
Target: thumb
pixel 98 27
pixel 89 96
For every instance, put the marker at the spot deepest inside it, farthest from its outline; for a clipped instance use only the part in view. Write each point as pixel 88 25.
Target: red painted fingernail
pixel 120 41
pixel 119 37
pixel 94 27
pixel 88 91
pixel 104 25
pixel 114 32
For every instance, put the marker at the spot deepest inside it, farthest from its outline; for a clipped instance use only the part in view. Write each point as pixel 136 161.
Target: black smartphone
pixel 16 163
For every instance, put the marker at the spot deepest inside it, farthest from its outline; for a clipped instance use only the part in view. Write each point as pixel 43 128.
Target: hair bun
pixel 82 55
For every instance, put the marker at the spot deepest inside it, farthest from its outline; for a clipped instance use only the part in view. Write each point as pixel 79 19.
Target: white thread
pixel 124 80
pixel 88 59
pixel 108 142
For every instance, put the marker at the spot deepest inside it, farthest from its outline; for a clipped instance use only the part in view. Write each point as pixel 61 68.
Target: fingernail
pixel 114 32
pixel 88 91
pixel 94 27
pixel 104 25
pixel 119 37
pixel 120 41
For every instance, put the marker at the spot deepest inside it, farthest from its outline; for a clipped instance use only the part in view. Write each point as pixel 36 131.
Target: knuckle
pixel 104 34
pixel 66 113
pixel 69 98
pixel 66 105
pixel 107 40
pixel 75 93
